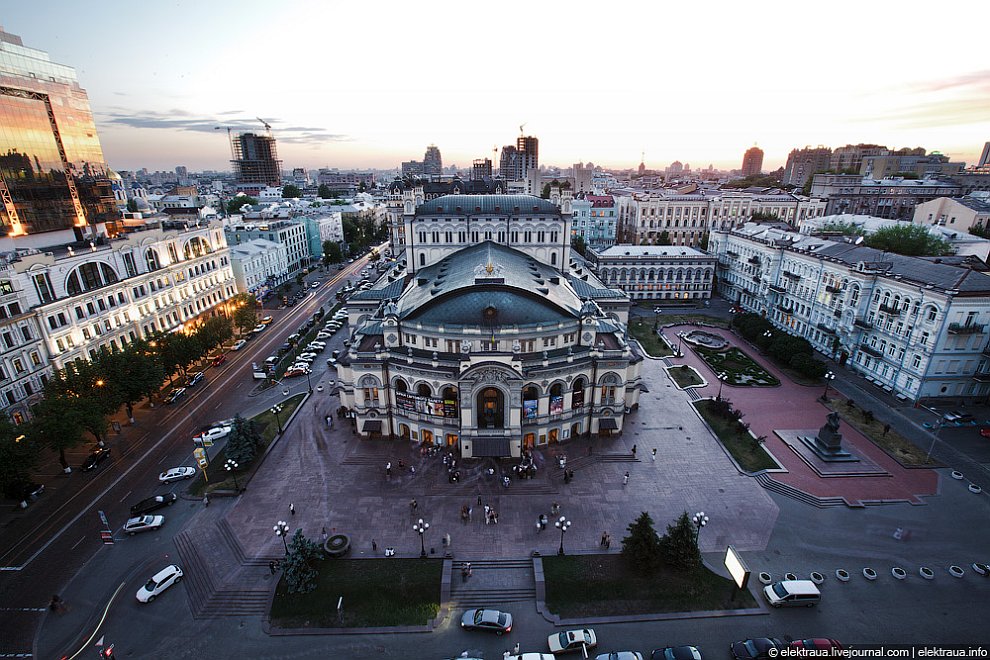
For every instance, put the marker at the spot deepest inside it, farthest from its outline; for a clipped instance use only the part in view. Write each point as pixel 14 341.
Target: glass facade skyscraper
pixel 52 172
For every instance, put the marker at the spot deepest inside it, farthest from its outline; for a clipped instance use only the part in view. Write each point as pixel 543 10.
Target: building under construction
pixel 256 160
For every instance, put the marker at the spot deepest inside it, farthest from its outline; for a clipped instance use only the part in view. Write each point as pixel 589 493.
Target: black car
pixel 24 491
pixel 153 504
pixel 95 458
pixel 751 649
pixel 195 378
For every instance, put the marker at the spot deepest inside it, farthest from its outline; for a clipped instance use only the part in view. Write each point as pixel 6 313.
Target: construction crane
pixel 521 127
pixel 266 124
pixel 230 138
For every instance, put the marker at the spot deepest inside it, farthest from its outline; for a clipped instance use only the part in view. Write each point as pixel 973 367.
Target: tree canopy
pixel 910 240
pixel 245 440
pixel 324 192
pixel 290 191
pixel 579 246
pixel 679 546
pixel 642 545
pixel 297 567
pixel 234 205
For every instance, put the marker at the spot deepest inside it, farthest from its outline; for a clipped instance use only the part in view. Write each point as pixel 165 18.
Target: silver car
pixel 143 524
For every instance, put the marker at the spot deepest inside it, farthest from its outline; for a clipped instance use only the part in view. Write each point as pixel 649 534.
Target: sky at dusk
pixel 352 84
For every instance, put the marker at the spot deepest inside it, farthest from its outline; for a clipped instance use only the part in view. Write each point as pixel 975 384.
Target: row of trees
pixel 786 349
pixel 646 550
pixel 80 398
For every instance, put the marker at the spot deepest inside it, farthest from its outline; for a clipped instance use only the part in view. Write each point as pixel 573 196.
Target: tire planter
pixel 790 576
pixel 957 475
pixel 842 575
pixel 337 545
pixel 980 569
pixel 766 578
pixel 898 572
pixel 817 577
pixel 956 571
pixel 319 388
pixel 869 574
pixel 973 488
pixel 926 573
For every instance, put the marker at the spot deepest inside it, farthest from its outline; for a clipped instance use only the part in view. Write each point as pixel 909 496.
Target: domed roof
pixel 113 175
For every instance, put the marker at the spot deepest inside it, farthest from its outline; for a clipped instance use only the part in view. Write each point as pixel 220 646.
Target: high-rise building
pixel 256 160
pixel 181 171
pixel 481 168
pixel 509 165
pixel 528 148
pixel 803 163
pixel 752 161
pixel 985 156
pixel 52 172
pixel 849 159
pixel 432 161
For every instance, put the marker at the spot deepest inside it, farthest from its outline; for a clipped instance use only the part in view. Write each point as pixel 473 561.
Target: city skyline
pixel 674 94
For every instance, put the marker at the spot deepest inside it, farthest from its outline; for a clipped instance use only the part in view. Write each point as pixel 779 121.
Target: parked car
pixel 293 338
pixel 175 395
pixel 315 284
pixel 220 359
pixel 306 357
pixel 749 649
pixel 957 416
pixel 258 328
pixel 195 378
pixel 159 582
pixel 153 504
pixel 265 320
pixel 335 354
pixel 316 346
pixel 24 491
pixel 324 335
pixel 620 655
pixel 818 644
pixel 98 456
pixel 297 370
pixel 529 656
pixel 484 619
pixel 143 524
pixel 176 474
pixel 676 653
pixel 212 435
pixel 239 344
pixel 985 431
pixel 572 640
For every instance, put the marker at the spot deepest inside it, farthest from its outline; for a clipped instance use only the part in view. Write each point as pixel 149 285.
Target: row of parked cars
pixel 304 360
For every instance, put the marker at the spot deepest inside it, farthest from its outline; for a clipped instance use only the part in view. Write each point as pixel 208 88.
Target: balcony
pixel 986 350
pixel 785 309
pixel 757 279
pixel 754 260
pixel 824 328
pixel 777 288
pixel 966 329
pixel 863 323
pixel 892 311
pixel 981 377
pixel 732 254
pixel 793 276
pixel 869 350
pixel 833 289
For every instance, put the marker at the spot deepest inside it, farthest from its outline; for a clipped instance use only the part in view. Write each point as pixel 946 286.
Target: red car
pixel 218 360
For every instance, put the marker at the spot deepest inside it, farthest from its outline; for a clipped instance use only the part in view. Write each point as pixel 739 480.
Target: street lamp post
pixel 656 317
pixel 829 377
pixel 232 465
pixel 281 530
pixel 309 383
pixel 562 524
pixel 420 527
pixel 721 379
pixel 937 425
pixel 699 520
pixel 768 334
pixel 276 409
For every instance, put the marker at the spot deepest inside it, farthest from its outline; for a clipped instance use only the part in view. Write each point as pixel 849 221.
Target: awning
pixel 607 424
pixel 373 426
pixel 493 447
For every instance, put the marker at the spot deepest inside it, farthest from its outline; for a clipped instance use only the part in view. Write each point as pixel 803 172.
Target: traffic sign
pixel 107 537
pixel 103 519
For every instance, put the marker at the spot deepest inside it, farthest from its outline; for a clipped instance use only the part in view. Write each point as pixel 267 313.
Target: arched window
pixel 195 247
pixel 152 260
pixel 577 393
pixel 553 258
pixel 172 254
pixel 369 390
pixel 609 383
pixel 89 276
pixel 423 390
pixel 400 385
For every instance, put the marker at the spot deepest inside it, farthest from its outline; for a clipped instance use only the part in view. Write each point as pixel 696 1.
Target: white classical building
pixel 290 233
pixel 24 362
pixel 259 265
pixel 656 272
pixel 917 327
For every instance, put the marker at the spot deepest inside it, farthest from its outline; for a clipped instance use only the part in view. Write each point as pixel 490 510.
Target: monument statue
pixel 827 445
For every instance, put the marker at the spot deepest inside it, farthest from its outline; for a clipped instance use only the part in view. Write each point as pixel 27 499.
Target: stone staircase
pixel 493 582
pixel 771 484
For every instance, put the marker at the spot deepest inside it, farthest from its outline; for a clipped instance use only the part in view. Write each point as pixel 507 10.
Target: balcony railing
pixel 887 309
pixel 986 350
pixel 833 289
pixel 785 309
pixel 966 329
pixel 824 328
pixel 754 260
pixel 793 276
pixel 732 254
pixel 777 288
pixel 757 279
pixel 869 350
pixel 863 323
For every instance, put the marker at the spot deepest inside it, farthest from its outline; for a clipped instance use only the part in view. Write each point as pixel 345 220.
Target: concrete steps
pixel 492 582
pixel 769 483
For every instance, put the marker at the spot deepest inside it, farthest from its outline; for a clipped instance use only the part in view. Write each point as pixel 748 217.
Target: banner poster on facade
pixel 529 409
pixel 556 405
pixel 450 408
pixel 425 405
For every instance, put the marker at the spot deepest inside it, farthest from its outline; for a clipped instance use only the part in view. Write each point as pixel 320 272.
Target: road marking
pixel 16 655
pixel 103 618
pixel 23 609
pixel 162 459
pixel 77 543
pixel 125 496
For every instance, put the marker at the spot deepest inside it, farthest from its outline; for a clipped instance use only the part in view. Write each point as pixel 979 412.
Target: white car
pixel 306 357
pixel 176 474
pixel 159 582
pixel 214 434
pixel 323 335
pixel 143 524
pixel 572 640
pixel 241 343
pixel 317 345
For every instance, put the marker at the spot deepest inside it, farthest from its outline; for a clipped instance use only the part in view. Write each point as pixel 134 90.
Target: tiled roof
pixel 912 269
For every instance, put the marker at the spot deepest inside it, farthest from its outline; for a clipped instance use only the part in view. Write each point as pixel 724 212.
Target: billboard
pixel 426 405
pixel 529 409
pixel 556 405
pixel 736 567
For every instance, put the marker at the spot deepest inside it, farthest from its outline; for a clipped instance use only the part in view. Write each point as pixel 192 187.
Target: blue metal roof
pixel 490 204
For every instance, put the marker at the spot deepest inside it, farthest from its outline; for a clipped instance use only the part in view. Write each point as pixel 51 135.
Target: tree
pixel 679 546
pixel 244 317
pixel 18 455
pixel 136 372
pixel 297 567
pixel 642 546
pixel 178 350
pixel 362 187
pixel 299 278
pixel 324 192
pixel 132 206
pixel 664 238
pixel 244 441
pixel 213 332
pixel 332 254
pixel 578 245
pixel 57 422
pixel 910 240
pixel 234 205
pixel 703 242
pixel 290 191
pixel 545 194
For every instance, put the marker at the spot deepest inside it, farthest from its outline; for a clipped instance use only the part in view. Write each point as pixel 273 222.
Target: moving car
pixel 482 619
pixel 819 644
pixel 175 395
pixel 792 593
pixel 143 524
pixel 176 474
pixel 195 378
pixel 24 491
pixel 153 503
pixel 572 640
pixel 315 284
pixel 755 648
pixel 212 435
pixel 239 344
pixel 220 359
pixel 159 582
pixel 98 456
pixel 265 320
pixel 296 370
pixel 676 653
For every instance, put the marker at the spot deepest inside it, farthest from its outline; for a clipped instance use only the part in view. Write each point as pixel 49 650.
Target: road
pixel 44 546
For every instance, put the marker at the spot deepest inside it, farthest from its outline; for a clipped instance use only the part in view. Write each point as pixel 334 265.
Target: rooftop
pixel 503 204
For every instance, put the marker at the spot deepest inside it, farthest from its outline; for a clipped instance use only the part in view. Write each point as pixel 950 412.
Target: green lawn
pixel 219 478
pixel 376 592
pixel 899 447
pixel 606 585
pixel 739 368
pixel 685 376
pixel 649 340
pixel 743 448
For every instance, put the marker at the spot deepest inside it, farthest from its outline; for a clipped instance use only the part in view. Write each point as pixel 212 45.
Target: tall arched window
pixel 400 385
pixel 88 276
pixel 577 393
pixel 424 390
pixel 152 260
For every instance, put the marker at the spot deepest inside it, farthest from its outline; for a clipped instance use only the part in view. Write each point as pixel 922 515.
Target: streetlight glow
pixel 232 465
pixel 281 530
pixel 562 524
pixel 276 409
pixel 420 526
pixel 699 520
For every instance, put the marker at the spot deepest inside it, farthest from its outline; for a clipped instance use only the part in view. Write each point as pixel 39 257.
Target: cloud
pixel 953 101
pixel 974 79
pixel 183 120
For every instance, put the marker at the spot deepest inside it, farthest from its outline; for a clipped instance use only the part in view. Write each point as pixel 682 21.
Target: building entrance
pixel 491 409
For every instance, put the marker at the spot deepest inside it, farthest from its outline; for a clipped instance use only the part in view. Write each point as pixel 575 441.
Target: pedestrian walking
pixel 608 541
pixel 271 567
pixel 634 450
pixel 206 500
pixel 604 536
pixel 554 509
pixel 388 469
pixel 470 511
pixel 413 504
pixel 886 429
pixel 374 546
pixel 446 539
pixel 488 513
pixel 654 453
pixel 515 649
pixel 625 479
pixel 292 509
pixel 325 535
pixel 329 418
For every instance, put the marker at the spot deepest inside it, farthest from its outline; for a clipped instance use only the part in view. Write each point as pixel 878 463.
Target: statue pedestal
pixel 802 443
pixel 828 452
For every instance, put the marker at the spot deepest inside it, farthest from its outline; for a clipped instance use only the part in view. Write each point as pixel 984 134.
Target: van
pixel 271 360
pixel 792 593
